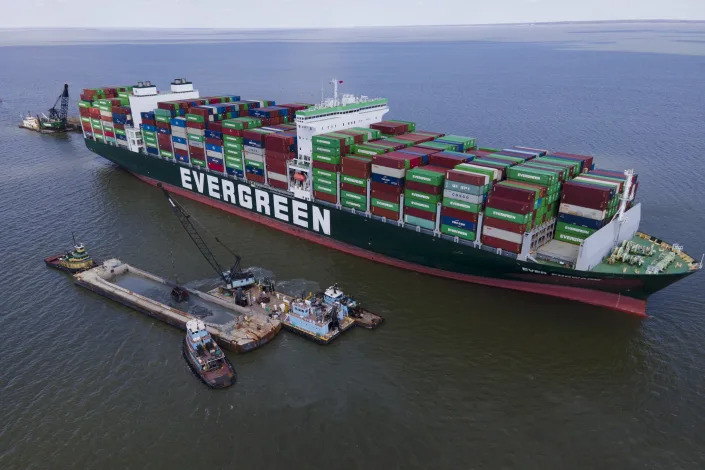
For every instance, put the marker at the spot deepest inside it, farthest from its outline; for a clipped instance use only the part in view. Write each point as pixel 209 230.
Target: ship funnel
pixel 140 83
pixel 147 83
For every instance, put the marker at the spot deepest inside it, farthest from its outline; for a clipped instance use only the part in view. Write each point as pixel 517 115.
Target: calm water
pixel 460 376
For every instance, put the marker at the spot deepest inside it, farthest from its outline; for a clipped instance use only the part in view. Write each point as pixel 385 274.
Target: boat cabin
pixel 201 346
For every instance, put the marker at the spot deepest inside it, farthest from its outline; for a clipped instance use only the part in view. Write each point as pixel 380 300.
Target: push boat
pixel 316 318
pixel 607 262
pixel 205 358
pixel 73 262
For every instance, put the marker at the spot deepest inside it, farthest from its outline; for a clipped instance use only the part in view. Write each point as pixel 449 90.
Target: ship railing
pixel 416 228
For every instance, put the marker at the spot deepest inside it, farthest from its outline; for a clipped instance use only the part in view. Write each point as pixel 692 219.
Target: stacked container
pixel 196 135
pixel 280 148
pixel 215 148
pixel 464 194
pixel 179 139
pixel 394 127
pixel 328 149
pixel 162 118
pixel 459 143
pixel 149 133
pixel 253 154
pixel 233 143
pixel 423 192
pixel 354 181
pixel 509 214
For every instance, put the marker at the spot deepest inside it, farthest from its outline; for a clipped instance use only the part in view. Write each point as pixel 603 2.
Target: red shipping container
pixel 215 126
pixel 386 188
pixel 474 179
pixel 423 187
pixel 518 207
pixel 504 225
pixel 166 147
pixel 282 157
pixel 435 135
pixel 503 244
pixel 437 169
pixel 390 214
pixel 232 132
pixel 194 157
pixel 385 195
pixel 255 178
pixel 216 167
pixel 164 139
pixel 195 125
pixel 332 198
pixel 278 184
pixel 586 159
pixel 514 194
pixel 357 137
pixel 479 153
pixel 86 127
pixel 543 190
pixel 251 135
pixel 119 126
pixel 383 160
pixel 85 112
pixel 364 174
pixel 447 161
pixel 109 134
pixel 203 112
pixel 420 213
pixel 326 166
pixel 196 152
pixel 458 214
pixel 414 160
pixel 278 166
pixel 415 138
pixel 353 188
pixel 421 150
pixel 349 163
pixel 391 128
pixel 212 141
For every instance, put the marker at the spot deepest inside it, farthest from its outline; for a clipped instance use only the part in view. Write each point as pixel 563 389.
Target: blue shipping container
pixel 179 140
pixel 149 128
pixel 152 150
pixel 583 221
pixel 254 170
pixel 214 148
pixel 178 122
pixel 234 172
pixel 464 224
pixel 216 161
pixel 213 134
pixel 390 180
pixel 181 158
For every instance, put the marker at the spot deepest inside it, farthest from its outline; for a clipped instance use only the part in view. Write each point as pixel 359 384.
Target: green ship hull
pixel 388 242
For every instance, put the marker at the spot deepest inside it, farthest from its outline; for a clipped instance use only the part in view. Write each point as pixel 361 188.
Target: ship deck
pixel 557 253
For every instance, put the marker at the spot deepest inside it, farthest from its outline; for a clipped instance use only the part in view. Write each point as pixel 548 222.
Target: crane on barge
pixel 235 280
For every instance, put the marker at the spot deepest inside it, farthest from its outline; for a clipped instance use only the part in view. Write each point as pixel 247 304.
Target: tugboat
pixel 363 318
pixel 73 261
pixel 315 319
pixel 205 357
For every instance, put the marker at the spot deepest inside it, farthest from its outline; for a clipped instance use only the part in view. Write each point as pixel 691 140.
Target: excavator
pixel 235 280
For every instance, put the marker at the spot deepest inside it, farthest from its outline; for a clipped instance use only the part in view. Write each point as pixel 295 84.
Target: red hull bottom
pixel 587 296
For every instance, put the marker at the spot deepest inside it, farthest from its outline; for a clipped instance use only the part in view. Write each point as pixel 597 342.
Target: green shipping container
pixel 576 230
pixel 194 118
pixel 568 238
pixel 425 176
pixel 462 205
pixel 353 196
pixel 200 163
pixel 419 196
pixel 254 163
pixel 426 206
pixel 353 180
pixel 166 154
pixel 532 175
pixel 458 232
pixel 352 204
pixel 335 160
pixel 392 206
pixel 319 173
pixel 325 187
pixel 196 138
pixel 510 216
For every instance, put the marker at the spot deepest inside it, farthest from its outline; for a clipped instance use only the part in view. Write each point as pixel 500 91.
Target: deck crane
pixel 235 278
pixel 61 114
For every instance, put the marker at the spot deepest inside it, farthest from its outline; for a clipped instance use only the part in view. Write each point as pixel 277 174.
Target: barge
pixel 238 329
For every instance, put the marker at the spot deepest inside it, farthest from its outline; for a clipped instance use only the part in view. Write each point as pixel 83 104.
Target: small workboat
pixel 205 357
pixel 349 306
pixel 73 261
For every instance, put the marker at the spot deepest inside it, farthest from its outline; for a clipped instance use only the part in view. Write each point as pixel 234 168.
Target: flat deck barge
pixel 236 328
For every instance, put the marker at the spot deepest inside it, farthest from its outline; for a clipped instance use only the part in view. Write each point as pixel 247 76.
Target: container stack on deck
pixel 464 195
pixel 423 191
pixel 328 149
pixel 355 176
pixel 280 149
pixel 233 143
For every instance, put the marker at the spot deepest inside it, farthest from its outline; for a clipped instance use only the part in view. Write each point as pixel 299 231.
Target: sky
pixel 236 14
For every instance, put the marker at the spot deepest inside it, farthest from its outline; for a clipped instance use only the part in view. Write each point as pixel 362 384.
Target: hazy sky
pixel 331 13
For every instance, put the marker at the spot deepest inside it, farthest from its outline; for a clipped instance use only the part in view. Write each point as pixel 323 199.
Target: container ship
pixel 339 174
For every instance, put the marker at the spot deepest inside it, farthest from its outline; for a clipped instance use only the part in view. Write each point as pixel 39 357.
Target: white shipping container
pixel 201 132
pixel 393 172
pixel 253 157
pixel 196 144
pixel 580 211
pixel 180 146
pixel 178 132
pixel 462 196
pixel 505 235
pixel 277 176
pixel 211 153
pixel 253 150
